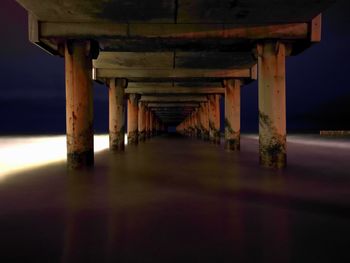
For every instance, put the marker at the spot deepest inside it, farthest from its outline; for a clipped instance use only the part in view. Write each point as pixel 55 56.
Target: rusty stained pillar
pixel 142 122
pixel 232 114
pixel 214 118
pixel 133 119
pixel 116 114
pixel 272 103
pixel 79 102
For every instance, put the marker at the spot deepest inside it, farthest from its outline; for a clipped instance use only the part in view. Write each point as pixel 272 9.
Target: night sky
pixel 32 98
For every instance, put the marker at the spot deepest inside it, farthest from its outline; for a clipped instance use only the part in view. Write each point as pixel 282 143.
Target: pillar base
pixel 78 160
pixel 142 136
pixel 205 135
pixel 273 151
pixel 133 138
pixel 116 142
pixel 233 144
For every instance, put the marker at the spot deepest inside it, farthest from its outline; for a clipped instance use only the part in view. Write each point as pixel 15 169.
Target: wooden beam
pixel 173 105
pixel 316 28
pixel 175 90
pixel 170 31
pixel 173 99
pixel 172 73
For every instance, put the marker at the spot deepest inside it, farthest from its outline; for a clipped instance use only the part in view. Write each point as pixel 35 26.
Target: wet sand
pixel 175 199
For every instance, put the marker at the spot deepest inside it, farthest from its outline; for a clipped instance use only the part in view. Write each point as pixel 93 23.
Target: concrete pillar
pixel 217 119
pixel 133 119
pixel 142 122
pixel 79 103
pixel 232 114
pixel 116 114
pixel 214 118
pixel 272 104
pixel 204 118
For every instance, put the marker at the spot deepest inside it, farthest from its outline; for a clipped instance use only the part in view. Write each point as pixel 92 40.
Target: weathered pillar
pixel 272 104
pixel 214 118
pixel 133 119
pixel 232 114
pixel 116 114
pixel 79 102
pixel 142 122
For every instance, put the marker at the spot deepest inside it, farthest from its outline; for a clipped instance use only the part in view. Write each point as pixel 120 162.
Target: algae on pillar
pixel 272 103
pixel 133 119
pixel 79 102
pixel 232 114
pixel 116 114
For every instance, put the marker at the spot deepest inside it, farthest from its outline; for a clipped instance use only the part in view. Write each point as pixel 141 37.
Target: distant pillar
pixel 204 119
pixel 191 125
pixel 133 119
pixel 198 123
pixel 272 104
pixel 147 123
pixel 79 102
pixel 214 118
pixel 217 119
pixel 142 122
pixel 116 114
pixel 151 117
pixel 154 128
pixel 232 114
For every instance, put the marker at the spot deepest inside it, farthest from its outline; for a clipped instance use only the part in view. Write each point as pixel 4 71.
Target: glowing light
pixel 312 141
pixel 94 74
pixel 21 153
pixel 126 139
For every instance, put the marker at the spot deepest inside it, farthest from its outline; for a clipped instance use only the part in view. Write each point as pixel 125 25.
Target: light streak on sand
pixel 21 153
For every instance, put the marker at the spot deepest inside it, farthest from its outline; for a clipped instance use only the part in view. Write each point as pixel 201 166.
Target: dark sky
pixel 32 81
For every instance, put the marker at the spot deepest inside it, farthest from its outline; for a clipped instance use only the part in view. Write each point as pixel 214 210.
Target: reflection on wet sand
pixel 177 200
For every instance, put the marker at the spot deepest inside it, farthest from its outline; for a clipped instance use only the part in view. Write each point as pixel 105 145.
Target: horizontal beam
pixel 172 109
pixel 171 73
pixel 173 105
pixel 170 31
pixel 173 99
pixel 175 90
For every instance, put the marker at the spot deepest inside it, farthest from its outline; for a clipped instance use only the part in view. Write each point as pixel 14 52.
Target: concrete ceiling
pixel 239 12
pixel 173 47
